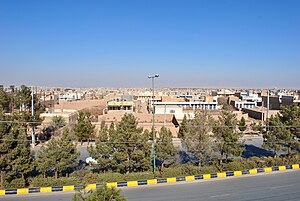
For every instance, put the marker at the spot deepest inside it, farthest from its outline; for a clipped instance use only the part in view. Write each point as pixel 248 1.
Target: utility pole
pixel 268 103
pixel 165 118
pixel 153 128
pixel 32 115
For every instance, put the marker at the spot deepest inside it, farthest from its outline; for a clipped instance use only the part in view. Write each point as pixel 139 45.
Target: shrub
pixel 172 172
pixel 208 169
pixel 80 175
pixel 16 183
pixel 51 181
pixel 100 194
pixel 138 176
pixel 233 166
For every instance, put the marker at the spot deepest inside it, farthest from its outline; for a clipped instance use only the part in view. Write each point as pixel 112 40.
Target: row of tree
pixel 16 157
pixel 125 147
pixel 209 139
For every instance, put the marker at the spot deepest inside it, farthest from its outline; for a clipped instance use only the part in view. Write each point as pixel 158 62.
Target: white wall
pixel 177 111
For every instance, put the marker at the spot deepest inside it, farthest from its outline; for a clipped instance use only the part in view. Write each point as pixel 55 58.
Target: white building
pixel 250 96
pixel 177 108
pixel 70 96
pixel 244 104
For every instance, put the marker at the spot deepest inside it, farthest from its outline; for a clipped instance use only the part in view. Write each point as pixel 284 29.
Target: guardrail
pixel 22 191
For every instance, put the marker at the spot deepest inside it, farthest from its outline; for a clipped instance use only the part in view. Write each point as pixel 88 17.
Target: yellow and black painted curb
pixel 22 191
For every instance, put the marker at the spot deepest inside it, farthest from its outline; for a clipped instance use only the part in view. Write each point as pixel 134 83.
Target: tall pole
pixel 153 127
pixel 165 118
pixel 32 114
pixel 268 107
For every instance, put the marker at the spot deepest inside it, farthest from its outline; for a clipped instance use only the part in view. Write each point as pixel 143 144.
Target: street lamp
pixel 153 132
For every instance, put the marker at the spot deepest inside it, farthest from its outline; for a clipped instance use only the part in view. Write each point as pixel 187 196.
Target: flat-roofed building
pixel 274 102
pixel 287 100
pixel 179 108
pixel 243 104
pixel 259 113
pixel 125 102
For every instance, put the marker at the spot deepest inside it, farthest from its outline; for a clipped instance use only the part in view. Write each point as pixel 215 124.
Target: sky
pixel 118 43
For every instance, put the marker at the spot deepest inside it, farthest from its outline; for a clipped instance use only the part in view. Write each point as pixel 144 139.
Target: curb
pixel 23 191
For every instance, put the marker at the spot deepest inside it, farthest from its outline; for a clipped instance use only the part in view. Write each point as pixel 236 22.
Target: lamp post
pixel 32 114
pixel 153 132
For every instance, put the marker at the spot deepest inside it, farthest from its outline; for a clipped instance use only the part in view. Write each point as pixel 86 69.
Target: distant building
pixel 274 102
pixel 177 108
pixel 259 113
pixel 243 104
pixel 287 100
pixel 124 102
pixel 70 96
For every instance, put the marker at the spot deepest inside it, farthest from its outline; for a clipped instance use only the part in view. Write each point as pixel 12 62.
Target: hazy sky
pixel 118 43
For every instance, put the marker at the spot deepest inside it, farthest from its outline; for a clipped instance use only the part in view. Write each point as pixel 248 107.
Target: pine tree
pixel 242 124
pixel 227 138
pixel 15 155
pixel 23 158
pixel 84 129
pixel 131 148
pixel 283 130
pixel 183 127
pixel 7 144
pixel 257 127
pixel 102 151
pixel 197 140
pixel 58 122
pixel 59 154
pixel 125 149
pixel 278 136
pixel 290 117
pixel 165 150
pixel 4 100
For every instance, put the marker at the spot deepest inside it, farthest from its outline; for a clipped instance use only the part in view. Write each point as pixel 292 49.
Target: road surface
pixel 263 187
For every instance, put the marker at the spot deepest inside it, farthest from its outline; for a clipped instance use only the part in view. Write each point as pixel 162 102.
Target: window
pixel 172 111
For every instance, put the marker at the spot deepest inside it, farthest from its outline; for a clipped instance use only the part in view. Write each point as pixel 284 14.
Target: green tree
pixel 15 155
pixel 4 100
pixel 183 127
pixel 290 117
pixel 7 144
pixel 23 158
pixel 277 136
pixel 131 147
pixel 283 130
pixel 242 124
pixel 197 139
pixel 23 98
pixel 257 127
pixel 84 129
pixel 102 151
pixel 165 150
pixel 58 122
pixel 227 139
pixel 58 155
pixel 100 194
pixel 126 149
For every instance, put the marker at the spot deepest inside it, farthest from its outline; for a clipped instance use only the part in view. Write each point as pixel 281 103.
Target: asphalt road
pixel 264 187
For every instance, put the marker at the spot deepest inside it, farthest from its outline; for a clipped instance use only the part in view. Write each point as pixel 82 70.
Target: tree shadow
pixel 251 150
pixel 184 158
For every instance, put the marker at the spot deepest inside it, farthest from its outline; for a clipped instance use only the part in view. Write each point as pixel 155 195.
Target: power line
pixel 199 126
